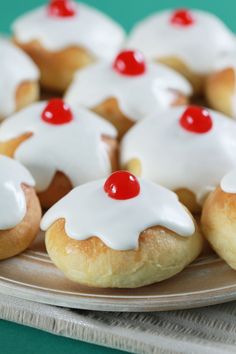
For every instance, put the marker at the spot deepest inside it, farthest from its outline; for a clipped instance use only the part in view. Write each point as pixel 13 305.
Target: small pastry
pixel 61 147
pixel 65 36
pixel 186 149
pixel 127 90
pixel 122 232
pixel 18 79
pixel 219 219
pixel 187 40
pixel 221 85
pixel 20 209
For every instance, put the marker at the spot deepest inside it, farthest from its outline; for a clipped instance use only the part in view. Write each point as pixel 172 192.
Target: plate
pixel 33 276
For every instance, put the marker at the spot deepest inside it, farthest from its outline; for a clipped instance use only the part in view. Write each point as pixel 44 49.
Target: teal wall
pixel 127 12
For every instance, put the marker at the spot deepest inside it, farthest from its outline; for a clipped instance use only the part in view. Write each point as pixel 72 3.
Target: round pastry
pixel 91 239
pixel 60 147
pixel 221 85
pixel 219 219
pixel 20 209
pixel 186 149
pixel 187 40
pixel 127 90
pixel 19 79
pixel 63 37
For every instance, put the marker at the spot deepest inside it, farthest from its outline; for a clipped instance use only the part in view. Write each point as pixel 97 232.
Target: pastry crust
pixel 60 184
pixel 57 67
pixel 220 87
pixel 17 239
pixel 219 224
pixel 161 254
pixel 109 109
pixel 197 80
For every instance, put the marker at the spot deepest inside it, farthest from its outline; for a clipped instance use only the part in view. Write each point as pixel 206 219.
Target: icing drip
pixel 88 28
pixel 228 182
pixel 12 198
pixel 198 45
pixel 153 206
pixel 176 158
pixel 138 96
pixel 75 148
pixel 15 68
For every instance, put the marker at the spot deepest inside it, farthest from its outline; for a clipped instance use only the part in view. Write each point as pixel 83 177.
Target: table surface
pixel 19 339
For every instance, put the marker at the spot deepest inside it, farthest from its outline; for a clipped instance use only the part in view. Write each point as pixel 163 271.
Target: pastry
pixel 65 36
pixel 61 147
pixel 187 40
pixel 219 219
pixel 221 85
pixel 121 232
pixel 127 90
pixel 18 79
pixel 20 209
pixel 186 149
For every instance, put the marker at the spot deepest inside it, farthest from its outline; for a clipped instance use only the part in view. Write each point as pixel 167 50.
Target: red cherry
pixel 57 112
pixel 130 63
pixel 61 8
pixel 122 185
pixel 196 120
pixel 182 17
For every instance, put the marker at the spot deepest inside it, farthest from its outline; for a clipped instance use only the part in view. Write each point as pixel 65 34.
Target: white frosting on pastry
pixel 12 198
pixel 137 96
pixel 177 158
pixel 75 148
pixel 197 45
pixel 15 68
pixel 88 211
pixel 89 29
pixel 228 182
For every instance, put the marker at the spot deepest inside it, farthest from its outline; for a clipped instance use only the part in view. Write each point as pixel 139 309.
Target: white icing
pixel 89 29
pixel 198 45
pixel 15 68
pixel 228 182
pixel 176 158
pixel 76 148
pixel 12 198
pixel 88 211
pixel 138 96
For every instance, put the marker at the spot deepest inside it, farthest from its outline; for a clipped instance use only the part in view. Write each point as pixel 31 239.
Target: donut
pixel 128 89
pixel 19 79
pixel 220 90
pixel 65 36
pixel 187 40
pixel 186 149
pixel 218 219
pixel 122 232
pixel 61 147
pixel 20 209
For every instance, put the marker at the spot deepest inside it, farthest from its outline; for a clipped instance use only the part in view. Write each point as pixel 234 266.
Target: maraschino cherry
pixel 61 8
pixel 122 185
pixel 196 119
pixel 57 112
pixel 130 63
pixel 182 17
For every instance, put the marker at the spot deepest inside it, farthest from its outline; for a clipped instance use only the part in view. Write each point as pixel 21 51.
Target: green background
pixel 18 339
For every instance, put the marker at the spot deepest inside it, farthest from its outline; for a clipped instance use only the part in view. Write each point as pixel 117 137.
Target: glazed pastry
pixel 91 239
pixel 219 219
pixel 60 147
pixel 221 85
pixel 186 149
pixel 65 36
pixel 18 79
pixel 127 90
pixel 187 40
pixel 20 209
